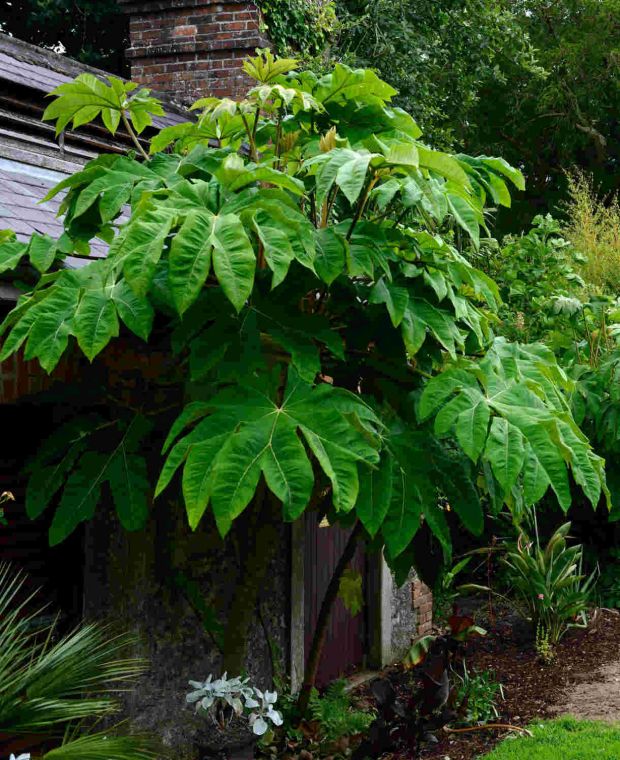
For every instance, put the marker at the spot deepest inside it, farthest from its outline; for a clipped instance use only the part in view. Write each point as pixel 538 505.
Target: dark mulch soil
pixel 532 690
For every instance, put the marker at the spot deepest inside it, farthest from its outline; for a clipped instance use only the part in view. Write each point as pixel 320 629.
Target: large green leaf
pixel 190 258
pixel 375 494
pixel 404 512
pixel 96 322
pixel 135 311
pixel 129 482
pixel 264 438
pixel 80 496
pixel 472 426
pixel 140 246
pixel 234 261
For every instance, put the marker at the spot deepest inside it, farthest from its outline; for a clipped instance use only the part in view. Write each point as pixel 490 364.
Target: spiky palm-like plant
pixel 54 689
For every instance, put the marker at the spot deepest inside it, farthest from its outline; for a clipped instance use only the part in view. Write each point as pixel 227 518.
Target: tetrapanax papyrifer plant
pixel 336 349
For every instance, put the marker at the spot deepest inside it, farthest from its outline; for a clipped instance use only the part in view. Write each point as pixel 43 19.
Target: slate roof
pixel 32 160
pixel 43 70
pixel 21 189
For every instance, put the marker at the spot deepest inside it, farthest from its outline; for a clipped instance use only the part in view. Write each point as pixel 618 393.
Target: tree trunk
pixel 318 639
pixel 257 549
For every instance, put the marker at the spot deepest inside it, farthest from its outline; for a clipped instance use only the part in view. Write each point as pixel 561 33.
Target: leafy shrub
pixel 329 343
pixel 547 585
pixel 532 271
pixel 476 697
pixel 594 229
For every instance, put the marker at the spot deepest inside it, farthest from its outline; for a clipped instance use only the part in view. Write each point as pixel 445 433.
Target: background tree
pixel 92 31
pixel 566 120
pixel 438 54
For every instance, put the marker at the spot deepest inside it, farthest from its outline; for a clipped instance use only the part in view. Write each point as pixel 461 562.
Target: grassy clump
pixel 594 229
pixel 563 739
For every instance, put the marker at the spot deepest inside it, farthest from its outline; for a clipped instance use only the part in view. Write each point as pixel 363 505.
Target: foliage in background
pixel 54 688
pixel 439 54
pixel 91 31
pixel 593 227
pixel 532 271
pixel 302 27
pixel 567 119
pixel 547 584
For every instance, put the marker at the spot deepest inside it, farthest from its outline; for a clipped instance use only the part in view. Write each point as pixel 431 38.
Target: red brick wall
pixel 192 48
pixel 422 600
pixel 19 378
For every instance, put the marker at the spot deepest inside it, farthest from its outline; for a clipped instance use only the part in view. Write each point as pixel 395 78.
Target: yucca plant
pixel 548 585
pixel 54 688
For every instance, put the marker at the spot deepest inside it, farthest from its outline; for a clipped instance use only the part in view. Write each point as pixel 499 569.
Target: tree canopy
pixel 91 31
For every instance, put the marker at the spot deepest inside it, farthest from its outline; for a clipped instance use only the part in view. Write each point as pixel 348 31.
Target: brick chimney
pixel 190 49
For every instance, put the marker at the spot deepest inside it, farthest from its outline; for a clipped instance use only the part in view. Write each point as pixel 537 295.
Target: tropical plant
pixel 223 698
pixel 56 687
pixel 331 347
pixel 547 584
pixel 460 629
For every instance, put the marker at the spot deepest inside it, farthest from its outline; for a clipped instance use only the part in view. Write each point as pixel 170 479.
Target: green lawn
pixel 563 739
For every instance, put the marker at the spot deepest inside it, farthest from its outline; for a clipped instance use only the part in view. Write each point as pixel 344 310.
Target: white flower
pixel 23 756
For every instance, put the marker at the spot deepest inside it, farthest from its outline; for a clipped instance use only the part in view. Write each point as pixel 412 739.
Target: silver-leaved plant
pixel 223 698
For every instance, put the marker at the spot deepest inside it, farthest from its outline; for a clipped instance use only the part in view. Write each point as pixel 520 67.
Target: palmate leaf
pixel 532 438
pixel 74 460
pixel 87 97
pixel 256 435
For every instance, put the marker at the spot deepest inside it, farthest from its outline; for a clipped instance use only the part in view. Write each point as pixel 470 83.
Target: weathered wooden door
pixel 345 643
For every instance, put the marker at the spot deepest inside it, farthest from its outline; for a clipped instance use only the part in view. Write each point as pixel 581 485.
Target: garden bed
pixel 532 690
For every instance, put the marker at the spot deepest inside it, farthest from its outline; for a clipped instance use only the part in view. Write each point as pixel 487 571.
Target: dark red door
pixel 345 643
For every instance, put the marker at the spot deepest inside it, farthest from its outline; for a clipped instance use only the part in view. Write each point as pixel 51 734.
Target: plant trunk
pixel 318 639
pixel 257 549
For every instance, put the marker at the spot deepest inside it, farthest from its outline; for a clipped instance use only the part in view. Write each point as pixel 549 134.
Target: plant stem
pixel 362 205
pixel 318 639
pixel 134 137
pixel 261 543
pixel 250 135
